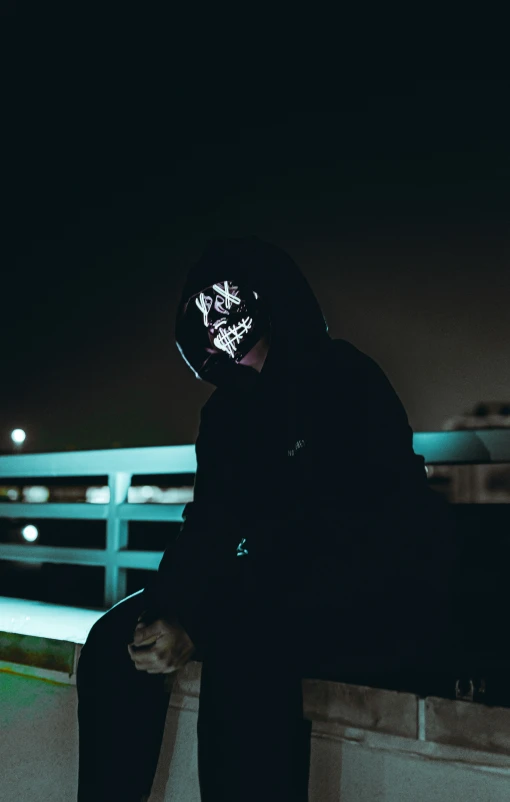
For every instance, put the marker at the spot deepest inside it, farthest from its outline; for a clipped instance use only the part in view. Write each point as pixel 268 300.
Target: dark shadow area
pixel 69 533
pixel 72 585
pixel 152 535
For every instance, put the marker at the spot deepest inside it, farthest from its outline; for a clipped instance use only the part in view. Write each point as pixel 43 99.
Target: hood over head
pixel 295 319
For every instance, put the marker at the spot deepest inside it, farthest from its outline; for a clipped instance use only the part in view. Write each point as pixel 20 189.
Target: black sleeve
pixel 382 531
pixel 370 475
pixel 202 555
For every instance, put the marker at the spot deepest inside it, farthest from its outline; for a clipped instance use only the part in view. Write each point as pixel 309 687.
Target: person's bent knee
pixel 110 636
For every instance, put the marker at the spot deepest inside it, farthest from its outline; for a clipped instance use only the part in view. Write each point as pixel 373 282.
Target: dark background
pixel 126 152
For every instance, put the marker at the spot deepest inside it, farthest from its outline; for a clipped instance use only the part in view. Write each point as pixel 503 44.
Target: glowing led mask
pixel 229 314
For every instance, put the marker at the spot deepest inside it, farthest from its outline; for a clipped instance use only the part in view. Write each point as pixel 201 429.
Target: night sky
pixel 393 198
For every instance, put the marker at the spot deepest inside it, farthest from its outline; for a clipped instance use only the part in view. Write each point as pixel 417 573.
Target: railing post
pixel 116 539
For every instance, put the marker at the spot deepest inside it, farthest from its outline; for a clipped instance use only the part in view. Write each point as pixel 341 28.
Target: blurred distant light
pixel 18 436
pixel 30 533
pixel 36 494
pixel 98 495
pixel 13 494
pixel 171 495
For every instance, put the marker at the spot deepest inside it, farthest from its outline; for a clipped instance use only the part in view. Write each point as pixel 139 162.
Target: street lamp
pixel 18 437
pixel 30 533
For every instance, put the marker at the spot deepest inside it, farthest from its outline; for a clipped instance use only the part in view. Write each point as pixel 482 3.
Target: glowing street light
pixel 18 437
pixel 30 533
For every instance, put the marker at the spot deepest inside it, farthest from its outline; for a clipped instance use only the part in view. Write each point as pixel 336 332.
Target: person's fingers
pixel 142 642
pixel 164 657
pixel 143 659
pixel 156 657
pixel 156 666
pixel 144 633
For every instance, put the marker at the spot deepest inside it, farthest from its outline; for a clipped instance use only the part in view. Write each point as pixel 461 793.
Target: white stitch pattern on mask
pixel 299 444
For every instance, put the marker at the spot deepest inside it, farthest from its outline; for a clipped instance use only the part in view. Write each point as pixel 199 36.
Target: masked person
pixel 313 547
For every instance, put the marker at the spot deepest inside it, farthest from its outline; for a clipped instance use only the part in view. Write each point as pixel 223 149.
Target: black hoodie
pixel 311 461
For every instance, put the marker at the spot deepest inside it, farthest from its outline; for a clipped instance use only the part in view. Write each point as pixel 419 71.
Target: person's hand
pixel 160 647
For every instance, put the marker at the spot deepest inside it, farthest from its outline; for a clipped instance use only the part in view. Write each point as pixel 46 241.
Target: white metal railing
pixel 119 465
pixel 457 447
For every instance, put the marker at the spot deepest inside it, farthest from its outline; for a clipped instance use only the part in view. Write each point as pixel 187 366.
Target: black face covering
pixel 231 316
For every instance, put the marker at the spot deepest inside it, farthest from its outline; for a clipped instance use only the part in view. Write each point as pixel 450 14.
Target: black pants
pixel 252 740
pixel 253 743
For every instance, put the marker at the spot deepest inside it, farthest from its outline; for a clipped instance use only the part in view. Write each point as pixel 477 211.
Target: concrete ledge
pixel 424 750
pixel 45 620
pixel 341 707
pixel 354 712
pixel 29 650
pixel 332 702
pixel 466 724
pixel 367 743
pixel 361 707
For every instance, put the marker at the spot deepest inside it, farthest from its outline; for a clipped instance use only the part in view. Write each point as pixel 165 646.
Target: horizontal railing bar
pixel 150 460
pixel 151 512
pixel 146 560
pixel 483 446
pixel 98 512
pixel 465 447
pixel 480 446
pixel 52 554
